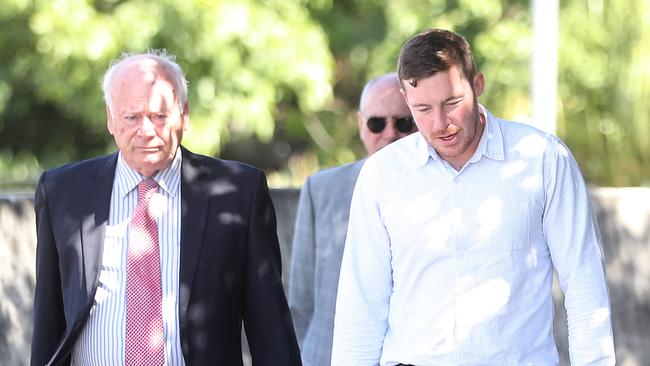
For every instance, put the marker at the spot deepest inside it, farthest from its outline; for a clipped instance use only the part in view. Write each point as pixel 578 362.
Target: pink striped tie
pixel 144 327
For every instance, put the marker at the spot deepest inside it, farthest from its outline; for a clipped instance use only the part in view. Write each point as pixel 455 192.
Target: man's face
pixel 383 101
pixel 145 119
pixel 445 108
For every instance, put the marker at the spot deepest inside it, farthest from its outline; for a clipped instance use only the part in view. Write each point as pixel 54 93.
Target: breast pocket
pixel 495 224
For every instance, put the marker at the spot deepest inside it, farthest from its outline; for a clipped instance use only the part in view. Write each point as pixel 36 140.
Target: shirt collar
pixel 127 178
pixel 422 153
pixel 490 145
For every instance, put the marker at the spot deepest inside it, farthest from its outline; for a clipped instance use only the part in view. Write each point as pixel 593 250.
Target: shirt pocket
pixel 496 224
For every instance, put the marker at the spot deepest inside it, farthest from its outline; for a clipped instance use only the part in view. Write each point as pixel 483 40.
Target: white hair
pixel 161 56
pixel 366 89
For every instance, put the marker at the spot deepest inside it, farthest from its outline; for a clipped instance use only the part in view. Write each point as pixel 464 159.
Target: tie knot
pixel 146 188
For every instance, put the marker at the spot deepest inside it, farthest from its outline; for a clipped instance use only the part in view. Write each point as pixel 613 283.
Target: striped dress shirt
pixel 446 267
pixel 101 341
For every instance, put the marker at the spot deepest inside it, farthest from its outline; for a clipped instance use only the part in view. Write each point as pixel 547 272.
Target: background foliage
pixel 276 82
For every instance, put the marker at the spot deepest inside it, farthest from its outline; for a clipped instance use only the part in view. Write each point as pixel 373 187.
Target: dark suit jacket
pixel 229 267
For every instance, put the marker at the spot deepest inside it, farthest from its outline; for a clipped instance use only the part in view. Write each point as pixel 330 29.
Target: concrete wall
pixel 623 215
pixel 17 260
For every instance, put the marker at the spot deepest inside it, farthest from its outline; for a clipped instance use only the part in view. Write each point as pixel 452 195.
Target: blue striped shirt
pixel 455 267
pixel 101 341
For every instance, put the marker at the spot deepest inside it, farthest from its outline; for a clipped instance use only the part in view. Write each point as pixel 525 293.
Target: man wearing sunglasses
pixel 322 218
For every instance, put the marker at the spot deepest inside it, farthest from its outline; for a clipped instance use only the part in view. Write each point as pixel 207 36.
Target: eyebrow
pixel 421 105
pixel 453 97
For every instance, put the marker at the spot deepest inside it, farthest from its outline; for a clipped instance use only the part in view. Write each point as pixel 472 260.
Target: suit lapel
pixel 94 206
pixel 91 207
pixel 194 203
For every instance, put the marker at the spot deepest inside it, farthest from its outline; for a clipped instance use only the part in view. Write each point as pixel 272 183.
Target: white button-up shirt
pixel 446 267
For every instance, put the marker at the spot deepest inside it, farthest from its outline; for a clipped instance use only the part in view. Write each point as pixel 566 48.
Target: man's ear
pixel 360 121
pixel 109 121
pixel 479 84
pixel 186 116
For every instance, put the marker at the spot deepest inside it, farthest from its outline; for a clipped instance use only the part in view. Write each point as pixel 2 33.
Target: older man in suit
pixel 154 255
pixel 322 219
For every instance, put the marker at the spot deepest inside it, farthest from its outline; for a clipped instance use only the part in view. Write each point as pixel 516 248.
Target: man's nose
pixel 391 131
pixel 439 120
pixel 147 126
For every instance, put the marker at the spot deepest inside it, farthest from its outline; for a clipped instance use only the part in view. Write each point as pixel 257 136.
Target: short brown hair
pixel 432 51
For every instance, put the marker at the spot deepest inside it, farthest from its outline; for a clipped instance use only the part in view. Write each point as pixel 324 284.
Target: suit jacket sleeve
pixel 49 321
pixel 269 328
pixel 302 274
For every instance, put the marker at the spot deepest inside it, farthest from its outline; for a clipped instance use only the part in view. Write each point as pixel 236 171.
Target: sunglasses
pixel 403 124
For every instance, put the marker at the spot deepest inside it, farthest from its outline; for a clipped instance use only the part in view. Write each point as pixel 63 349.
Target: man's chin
pixel 152 158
